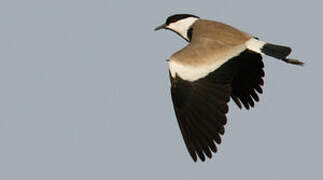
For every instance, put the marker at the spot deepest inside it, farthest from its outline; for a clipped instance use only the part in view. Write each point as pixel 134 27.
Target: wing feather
pixel 201 105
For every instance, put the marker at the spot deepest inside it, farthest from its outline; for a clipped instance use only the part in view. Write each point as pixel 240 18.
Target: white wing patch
pixel 191 72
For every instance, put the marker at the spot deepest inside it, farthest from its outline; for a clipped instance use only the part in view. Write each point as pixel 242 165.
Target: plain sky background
pixel 84 92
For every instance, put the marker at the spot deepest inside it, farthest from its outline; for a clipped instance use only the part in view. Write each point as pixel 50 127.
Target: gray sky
pixel 85 92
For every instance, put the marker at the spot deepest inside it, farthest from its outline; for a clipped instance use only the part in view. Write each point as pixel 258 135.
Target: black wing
pixel 201 105
pixel 200 108
pixel 248 80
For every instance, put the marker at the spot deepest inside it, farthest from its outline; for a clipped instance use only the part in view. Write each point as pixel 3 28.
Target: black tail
pixel 276 51
pixel 279 52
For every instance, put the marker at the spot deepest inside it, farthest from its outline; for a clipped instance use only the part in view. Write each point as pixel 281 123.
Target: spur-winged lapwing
pixel 219 62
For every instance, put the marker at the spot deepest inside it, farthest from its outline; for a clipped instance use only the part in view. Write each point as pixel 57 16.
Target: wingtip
pixel 194 156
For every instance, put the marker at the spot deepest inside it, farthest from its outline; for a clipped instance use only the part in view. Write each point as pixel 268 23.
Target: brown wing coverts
pixel 201 106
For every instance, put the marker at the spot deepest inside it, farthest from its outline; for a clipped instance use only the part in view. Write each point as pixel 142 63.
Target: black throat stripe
pixel 190 34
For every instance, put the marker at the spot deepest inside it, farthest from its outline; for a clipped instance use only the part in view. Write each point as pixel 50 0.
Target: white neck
pixel 182 26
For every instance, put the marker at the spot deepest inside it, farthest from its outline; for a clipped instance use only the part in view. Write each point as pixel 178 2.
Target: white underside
pixel 193 73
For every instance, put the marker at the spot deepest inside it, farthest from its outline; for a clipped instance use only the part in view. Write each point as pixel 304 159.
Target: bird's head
pixel 180 24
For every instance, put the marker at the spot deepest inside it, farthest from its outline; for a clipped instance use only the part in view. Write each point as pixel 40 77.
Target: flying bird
pixel 220 62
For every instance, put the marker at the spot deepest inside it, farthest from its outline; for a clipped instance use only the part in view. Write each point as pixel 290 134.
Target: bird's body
pixel 219 62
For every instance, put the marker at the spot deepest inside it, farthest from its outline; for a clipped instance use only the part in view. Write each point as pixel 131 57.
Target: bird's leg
pixel 293 61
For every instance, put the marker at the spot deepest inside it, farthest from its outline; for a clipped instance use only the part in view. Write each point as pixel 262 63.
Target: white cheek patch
pixel 255 45
pixel 182 26
pixel 191 73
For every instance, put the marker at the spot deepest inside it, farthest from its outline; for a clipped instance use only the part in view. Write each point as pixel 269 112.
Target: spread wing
pixel 200 108
pixel 248 80
pixel 200 102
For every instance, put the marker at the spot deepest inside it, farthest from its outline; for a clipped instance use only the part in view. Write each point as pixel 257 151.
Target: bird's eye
pixel 173 20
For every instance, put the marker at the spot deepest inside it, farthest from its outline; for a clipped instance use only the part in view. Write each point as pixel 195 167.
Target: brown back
pixel 211 41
